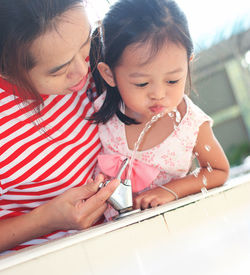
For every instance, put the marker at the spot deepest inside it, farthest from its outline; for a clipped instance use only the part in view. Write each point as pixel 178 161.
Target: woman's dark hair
pixel 129 22
pixel 21 22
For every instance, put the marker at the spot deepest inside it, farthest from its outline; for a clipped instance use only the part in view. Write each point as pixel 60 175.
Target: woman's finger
pixel 93 217
pixel 89 189
pixel 98 199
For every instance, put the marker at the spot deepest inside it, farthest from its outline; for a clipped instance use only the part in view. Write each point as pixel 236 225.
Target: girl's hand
pixel 153 198
pixel 79 207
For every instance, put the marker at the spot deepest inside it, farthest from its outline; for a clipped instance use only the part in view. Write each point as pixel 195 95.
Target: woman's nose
pixel 79 67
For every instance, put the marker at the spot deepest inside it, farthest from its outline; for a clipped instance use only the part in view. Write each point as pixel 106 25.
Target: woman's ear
pixel 106 73
pixel 191 58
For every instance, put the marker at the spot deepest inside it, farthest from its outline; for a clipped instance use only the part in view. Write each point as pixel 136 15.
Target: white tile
pixel 70 260
pixel 209 237
pixel 136 249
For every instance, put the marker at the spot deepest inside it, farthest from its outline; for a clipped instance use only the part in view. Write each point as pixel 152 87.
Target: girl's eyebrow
pixel 58 68
pixel 136 74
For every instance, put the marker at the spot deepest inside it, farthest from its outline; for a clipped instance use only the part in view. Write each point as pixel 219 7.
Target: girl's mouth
pixel 156 109
pixel 79 85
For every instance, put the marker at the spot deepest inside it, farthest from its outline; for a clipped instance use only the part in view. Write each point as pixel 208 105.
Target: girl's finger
pixel 154 203
pixel 137 203
pixel 145 203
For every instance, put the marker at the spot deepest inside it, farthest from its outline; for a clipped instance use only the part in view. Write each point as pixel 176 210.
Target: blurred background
pixel 221 70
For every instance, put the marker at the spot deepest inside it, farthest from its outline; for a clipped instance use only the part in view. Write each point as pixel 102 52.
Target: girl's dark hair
pixel 21 22
pixel 128 22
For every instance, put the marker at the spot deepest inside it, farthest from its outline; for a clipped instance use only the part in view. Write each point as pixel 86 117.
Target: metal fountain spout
pixel 122 198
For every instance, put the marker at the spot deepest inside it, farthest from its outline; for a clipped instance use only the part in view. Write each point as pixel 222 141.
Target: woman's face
pixel 60 55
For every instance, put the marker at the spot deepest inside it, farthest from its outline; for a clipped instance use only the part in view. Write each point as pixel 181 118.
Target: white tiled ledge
pixel 53 246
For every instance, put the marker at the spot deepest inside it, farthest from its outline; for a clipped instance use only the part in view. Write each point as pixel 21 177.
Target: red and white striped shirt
pixel 39 163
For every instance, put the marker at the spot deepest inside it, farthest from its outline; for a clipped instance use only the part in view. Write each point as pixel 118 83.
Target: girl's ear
pixel 106 73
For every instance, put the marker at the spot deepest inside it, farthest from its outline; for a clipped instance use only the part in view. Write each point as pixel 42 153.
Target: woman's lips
pixel 79 85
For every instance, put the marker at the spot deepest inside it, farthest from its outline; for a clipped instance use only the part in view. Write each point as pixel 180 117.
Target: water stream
pixel 139 140
pixel 175 115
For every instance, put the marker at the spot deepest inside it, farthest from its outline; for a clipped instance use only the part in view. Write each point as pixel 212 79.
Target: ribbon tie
pixel 142 175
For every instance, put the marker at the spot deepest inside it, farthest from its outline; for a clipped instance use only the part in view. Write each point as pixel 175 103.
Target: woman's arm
pixel 77 208
pixel 214 172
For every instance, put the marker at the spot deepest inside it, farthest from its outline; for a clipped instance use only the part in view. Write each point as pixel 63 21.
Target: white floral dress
pixel 172 157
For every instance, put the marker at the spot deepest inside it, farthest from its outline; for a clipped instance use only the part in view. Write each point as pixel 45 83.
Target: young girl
pixel 47 146
pixel 147 51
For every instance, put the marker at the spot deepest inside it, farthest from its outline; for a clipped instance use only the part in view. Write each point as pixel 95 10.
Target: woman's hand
pixel 152 198
pixel 79 207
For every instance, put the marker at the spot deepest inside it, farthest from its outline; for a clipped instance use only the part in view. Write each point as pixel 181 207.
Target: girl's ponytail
pixel 113 100
pixel 96 56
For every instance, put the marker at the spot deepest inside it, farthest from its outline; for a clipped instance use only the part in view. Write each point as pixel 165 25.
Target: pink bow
pixel 142 175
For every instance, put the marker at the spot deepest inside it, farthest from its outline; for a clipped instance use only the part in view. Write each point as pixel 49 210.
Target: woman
pixel 48 149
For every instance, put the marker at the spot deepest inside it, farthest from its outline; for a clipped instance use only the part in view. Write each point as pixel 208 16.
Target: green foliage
pixel 238 153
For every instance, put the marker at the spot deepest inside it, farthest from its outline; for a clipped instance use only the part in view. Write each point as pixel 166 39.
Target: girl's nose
pixel 157 93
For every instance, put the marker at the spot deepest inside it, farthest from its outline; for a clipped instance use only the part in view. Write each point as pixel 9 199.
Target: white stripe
pixel 40 157
pixel 29 126
pixel 21 205
pixel 37 133
pixel 53 160
pixel 5 212
pixel 48 194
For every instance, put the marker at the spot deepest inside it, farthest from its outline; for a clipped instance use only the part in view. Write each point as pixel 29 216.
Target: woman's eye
pixel 172 81
pixel 59 73
pixel 141 84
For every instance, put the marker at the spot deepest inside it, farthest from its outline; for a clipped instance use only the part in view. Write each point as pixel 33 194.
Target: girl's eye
pixel 172 81
pixel 141 85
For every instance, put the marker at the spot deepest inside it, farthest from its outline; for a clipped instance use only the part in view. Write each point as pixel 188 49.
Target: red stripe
pixel 47 157
pixel 11 215
pixel 23 109
pixel 41 125
pixel 68 155
pixel 3 94
pixel 6 201
pixel 62 175
pixel 24 147
pixel 14 115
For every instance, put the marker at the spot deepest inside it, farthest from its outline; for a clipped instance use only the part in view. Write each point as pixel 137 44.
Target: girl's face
pixel 151 86
pixel 60 55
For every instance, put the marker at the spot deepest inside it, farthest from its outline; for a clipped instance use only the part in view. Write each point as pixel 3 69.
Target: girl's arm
pixel 77 208
pixel 214 172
